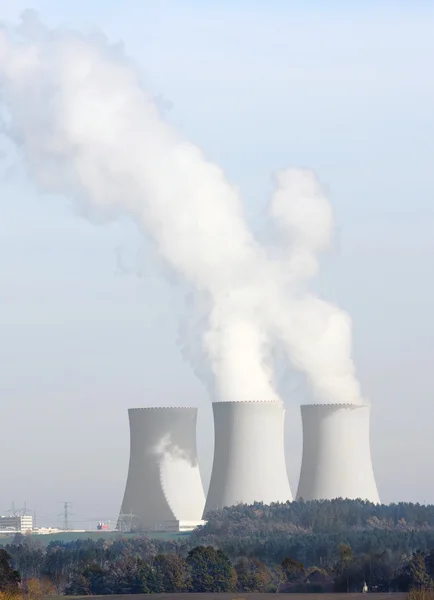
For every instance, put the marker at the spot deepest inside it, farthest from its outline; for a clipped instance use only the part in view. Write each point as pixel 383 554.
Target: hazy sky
pixel 344 90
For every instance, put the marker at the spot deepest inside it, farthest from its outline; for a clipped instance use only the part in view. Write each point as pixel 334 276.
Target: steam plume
pixel 316 334
pixel 88 130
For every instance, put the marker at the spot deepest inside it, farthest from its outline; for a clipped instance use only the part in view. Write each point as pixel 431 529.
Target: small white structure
pixel 249 456
pixel 178 526
pixel 336 459
pixel 164 487
pixel 48 530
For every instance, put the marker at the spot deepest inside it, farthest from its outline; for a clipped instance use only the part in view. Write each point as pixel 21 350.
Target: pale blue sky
pixel 345 90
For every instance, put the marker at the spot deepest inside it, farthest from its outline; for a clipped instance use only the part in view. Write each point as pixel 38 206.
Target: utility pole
pixel 66 515
pixel 12 511
pixel 24 511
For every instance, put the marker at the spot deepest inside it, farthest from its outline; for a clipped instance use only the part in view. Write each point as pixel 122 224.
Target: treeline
pixel 137 566
pixel 312 531
pixel 299 546
pixel 325 516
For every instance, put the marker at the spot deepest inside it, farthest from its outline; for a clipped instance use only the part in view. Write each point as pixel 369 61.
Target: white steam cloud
pixel 87 129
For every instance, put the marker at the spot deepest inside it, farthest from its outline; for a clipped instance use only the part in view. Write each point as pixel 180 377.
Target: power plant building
pixel 336 460
pixel 16 524
pixel 164 489
pixel 249 457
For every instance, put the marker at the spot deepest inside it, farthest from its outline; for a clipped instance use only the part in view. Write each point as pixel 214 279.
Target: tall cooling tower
pixel 164 483
pixel 249 457
pixel 336 453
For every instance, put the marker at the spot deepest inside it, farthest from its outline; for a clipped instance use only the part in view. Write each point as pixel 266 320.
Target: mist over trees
pixel 299 546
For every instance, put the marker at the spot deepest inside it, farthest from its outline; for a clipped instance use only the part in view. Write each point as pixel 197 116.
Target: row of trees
pixel 130 566
pixel 203 570
pixel 256 548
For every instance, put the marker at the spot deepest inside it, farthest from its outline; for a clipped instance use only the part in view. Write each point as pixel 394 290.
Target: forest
pixel 330 546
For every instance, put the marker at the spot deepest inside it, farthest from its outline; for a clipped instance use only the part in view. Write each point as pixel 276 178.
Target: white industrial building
pixel 336 460
pixel 249 456
pixel 16 524
pixel 177 526
pixel 164 489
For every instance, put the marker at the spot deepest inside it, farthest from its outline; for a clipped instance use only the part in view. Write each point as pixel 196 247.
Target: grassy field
pixel 71 536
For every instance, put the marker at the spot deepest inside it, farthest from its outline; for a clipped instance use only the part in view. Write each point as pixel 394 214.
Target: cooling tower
pixel 336 459
pixel 163 484
pixel 249 458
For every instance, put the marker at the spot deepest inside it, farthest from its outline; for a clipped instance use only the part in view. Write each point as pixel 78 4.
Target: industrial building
pixel 249 456
pixel 16 524
pixel 164 489
pixel 336 460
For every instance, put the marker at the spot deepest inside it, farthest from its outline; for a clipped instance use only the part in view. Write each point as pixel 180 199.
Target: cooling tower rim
pixel 161 408
pixel 324 406
pixel 248 402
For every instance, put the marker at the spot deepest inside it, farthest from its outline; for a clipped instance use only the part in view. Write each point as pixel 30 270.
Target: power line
pixel 24 511
pixel 18 512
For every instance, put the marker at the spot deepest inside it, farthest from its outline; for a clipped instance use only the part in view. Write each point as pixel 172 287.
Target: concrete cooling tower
pixel 249 458
pixel 336 459
pixel 164 489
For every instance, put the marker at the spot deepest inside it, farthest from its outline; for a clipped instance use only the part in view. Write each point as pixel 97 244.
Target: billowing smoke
pixel 316 334
pixel 87 129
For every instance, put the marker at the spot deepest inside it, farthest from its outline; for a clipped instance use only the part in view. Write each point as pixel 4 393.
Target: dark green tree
pixel 78 585
pixel 292 569
pixel 128 575
pixel 210 570
pixel 170 573
pixel 99 583
pixel 9 577
pixel 343 568
pixel 419 577
pixel 413 575
pixel 429 564
pixel 252 575
pixel 380 569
